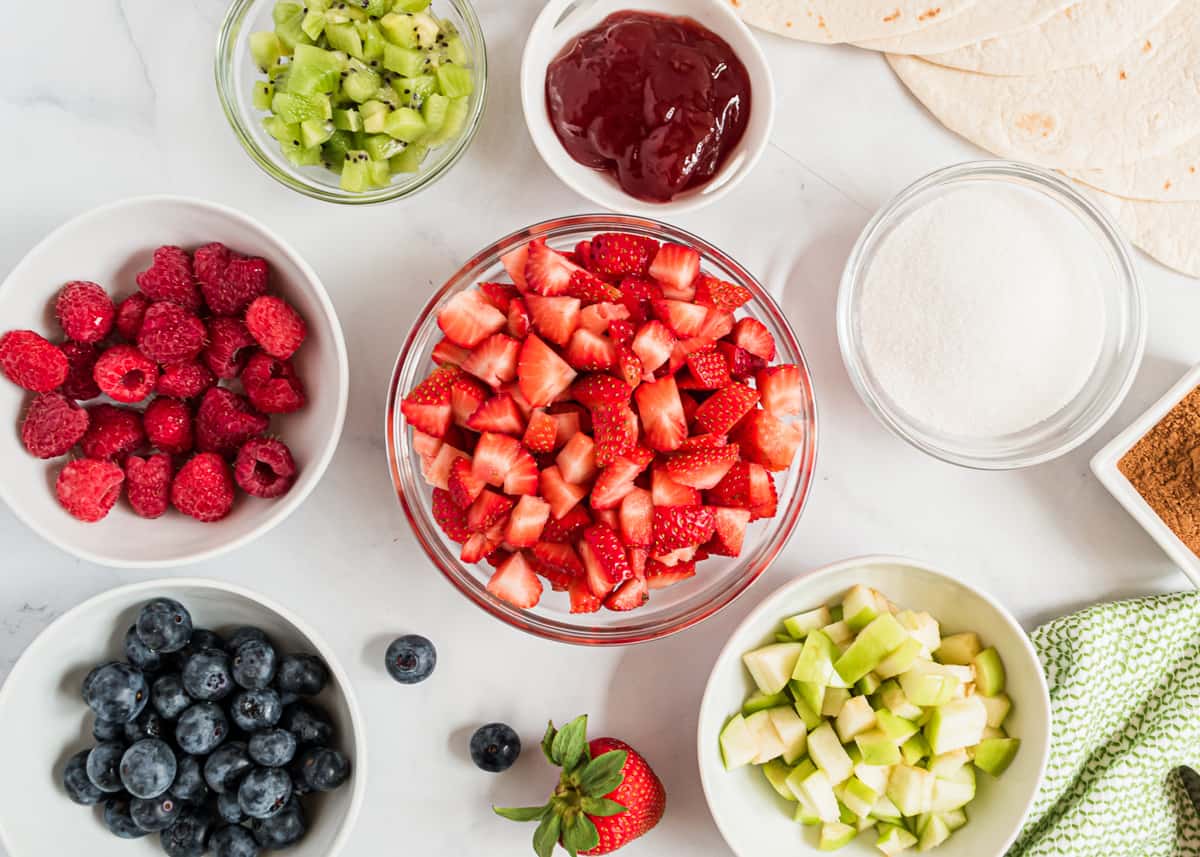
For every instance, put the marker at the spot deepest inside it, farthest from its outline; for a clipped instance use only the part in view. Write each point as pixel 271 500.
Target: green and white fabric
pixel 1124 684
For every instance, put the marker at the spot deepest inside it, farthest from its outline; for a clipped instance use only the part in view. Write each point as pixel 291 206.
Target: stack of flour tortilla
pixel 1107 91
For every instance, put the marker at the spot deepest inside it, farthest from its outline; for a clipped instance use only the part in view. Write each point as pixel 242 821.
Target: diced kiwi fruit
pixel 302 157
pixel 264 91
pixel 314 132
pixel 410 160
pixel 288 17
pixel 266 49
pixel 410 5
pixel 452 125
pixel 454 80
pixel 381 147
pixel 356 176
pixel 347 120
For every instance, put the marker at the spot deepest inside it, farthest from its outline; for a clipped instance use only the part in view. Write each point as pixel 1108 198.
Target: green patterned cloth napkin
pixel 1125 690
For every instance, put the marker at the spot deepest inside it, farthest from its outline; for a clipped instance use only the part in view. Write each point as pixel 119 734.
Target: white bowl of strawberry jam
pixel 655 110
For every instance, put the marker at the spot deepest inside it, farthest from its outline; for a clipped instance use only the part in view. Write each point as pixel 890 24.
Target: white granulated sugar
pixel 981 314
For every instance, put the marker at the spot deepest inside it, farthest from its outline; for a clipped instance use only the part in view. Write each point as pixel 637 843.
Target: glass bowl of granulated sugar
pixel 991 316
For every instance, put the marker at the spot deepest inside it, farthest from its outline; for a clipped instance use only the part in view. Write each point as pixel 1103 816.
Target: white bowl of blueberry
pixel 189 717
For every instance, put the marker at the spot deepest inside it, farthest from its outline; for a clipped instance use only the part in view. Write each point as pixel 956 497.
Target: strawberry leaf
pixel 521 813
pixel 570 744
pixel 546 835
pixel 601 807
pixel 548 743
pixel 580 835
pixel 603 774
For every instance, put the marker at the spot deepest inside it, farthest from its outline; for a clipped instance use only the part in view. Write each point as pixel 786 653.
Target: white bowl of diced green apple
pixel 880 706
pixel 353 101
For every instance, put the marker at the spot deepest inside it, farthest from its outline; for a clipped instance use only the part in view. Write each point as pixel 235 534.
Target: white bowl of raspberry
pixel 176 379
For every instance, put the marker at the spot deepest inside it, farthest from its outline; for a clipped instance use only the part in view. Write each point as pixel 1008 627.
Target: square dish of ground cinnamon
pixel 1164 467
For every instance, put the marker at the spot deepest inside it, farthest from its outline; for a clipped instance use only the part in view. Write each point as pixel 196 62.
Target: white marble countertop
pixel 116 98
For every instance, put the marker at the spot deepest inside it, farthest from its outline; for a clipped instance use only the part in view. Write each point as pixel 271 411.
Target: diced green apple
pixel 893 839
pixel 765 737
pixel 811 716
pixel 805 813
pixel 911 789
pixel 777 773
pixel 959 648
pixel 759 701
pixel 877 748
pixel 949 795
pixel 772 666
pixel 859 607
pixel 994 755
pixel 935 833
pixel 876 641
pixel 914 749
pixel 840 633
pixel 835 698
pixel 947 764
pixel 893 699
pixel 898 729
pixel 738 744
pixel 792 732
pixel 858 797
pixel 993 731
pixel 827 753
pixel 989 672
pixel 868 684
pixel 925 684
pixel 922 626
pixel 876 776
pixel 885 810
pixel 856 716
pixel 799 774
pixel 815 663
pixel 955 819
pixel 802 623
pixel 958 723
pixel 817 788
pixel 997 707
pixel 834 835
pixel 900 660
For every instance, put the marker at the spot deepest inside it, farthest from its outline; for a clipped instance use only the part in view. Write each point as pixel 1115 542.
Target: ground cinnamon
pixel 1164 467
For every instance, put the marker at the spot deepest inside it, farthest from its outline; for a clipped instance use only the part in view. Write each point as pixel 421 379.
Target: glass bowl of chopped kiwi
pixel 353 101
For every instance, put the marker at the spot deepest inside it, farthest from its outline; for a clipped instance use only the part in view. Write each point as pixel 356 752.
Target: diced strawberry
pixel 428 407
pixel 514 263
pixel 709 369
pixel 614 482
pixel 661 410
pixel 451 517
pixel 546 271
pixel 632 595
pixel 717 324
pixel 569 527
pixel 769 441
pixel 598 391
pixel 703 441
pixel 615 432
pixel 577 460
pixel 675 362
pixel 513 389
pixel 598 317
pixel 702 468
pixel 438 471
pixel 752 335
pixel 637 292
pixel 746 485
pixel 665 491
pixel 684 319
pixel 527 521
pixel 463 484
pixel 730 531
pixel 540 433
pixel 681 527
pixel 522 478
pixel 617 253
pixel 638 557
pixel 653 344
pixel 559 493
pixel 725 408
pixel 518 319
pixel 515 583
pixel 467 318
pixel 742 364
pixel 680 555
pixel 541 373
pixel 499 413
pixel 621 330
pixel 425 444
pixel 446 353
pixel 582 599
pixel 604 559
pixel 590 352
pixel 629 365
pixel 567 425
pixel 583 254
pixel 767 500
pixel 478 547
pixel 675 267
pixel 495 455
pixel 690 406
pixel 554 318
pixel 782 389
pixel 659 576
pixel 466 395
pixel 494 361
pixel 560 557
pixel 488 508
pixel 499 295
pixel 637 518
pixel 591 289
pixel 718 294
pixel 608 517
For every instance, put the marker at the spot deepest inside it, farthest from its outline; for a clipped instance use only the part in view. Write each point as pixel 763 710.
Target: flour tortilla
pixel 1166 231
pixel 833 21
pixel 1175 177
pixel 1141 105
pixel 982 21
pixel 1086 32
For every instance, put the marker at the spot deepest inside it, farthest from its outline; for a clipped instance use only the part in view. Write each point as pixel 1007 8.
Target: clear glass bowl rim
pixel 1057 187
pixel 782 526
pixel 292 178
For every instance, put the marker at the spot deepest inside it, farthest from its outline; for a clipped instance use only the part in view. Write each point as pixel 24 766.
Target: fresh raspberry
pixel 112 431
pixel 81 383
pixel 272 385
pixel 148 484
pixel 203 488
pixel 170 333
pixel 125 374
pixel 229 345
pixel 53 425
pixel 168 424
pixel 265 468
pixel 229 280
pixel 89 488
pixel 184 380
pixel 277 327
pixel 85 311
pixel 29 361
pixel 225 421
pixel 130 313
pixel 170 279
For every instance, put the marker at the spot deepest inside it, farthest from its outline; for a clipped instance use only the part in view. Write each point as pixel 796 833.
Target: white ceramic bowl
pixel 110 245
pixel 754 820
pixel 44 715
pixel 562 20
pixel 1104 465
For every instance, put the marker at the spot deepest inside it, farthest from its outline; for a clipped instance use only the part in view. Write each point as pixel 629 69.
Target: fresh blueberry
pixel 273 748
pixel 188 836
pixel 324 769
pixel 202 639
pixel 164 625
pixel 308 722
pixel 495 747
pixel 233 842
pixel 264 792
pixel 410 659
pixel 201 728
pixel 116 691
pixel 118 820
pixel 75 780
pixel 148 768
pixel 154 815
pixel 227 766
pixel 189 782
pixel 148 724
pixel 229 808
pixel 108 730
pixel 253 710
pixel 301 675
pixel 206 675
pixel 280 831
pixel 242 636
pixel 254 664
pixel 168 696
pixel 139 654
pixel 104 766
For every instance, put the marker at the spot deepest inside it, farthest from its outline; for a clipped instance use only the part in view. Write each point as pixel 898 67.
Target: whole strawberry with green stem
pixel 607 795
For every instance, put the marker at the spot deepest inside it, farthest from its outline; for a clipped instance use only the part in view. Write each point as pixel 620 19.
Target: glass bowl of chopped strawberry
pixel 602 429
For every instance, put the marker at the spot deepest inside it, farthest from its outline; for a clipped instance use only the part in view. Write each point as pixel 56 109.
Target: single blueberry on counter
pixel 255 664
pixel 233 842
pixel 118 820
pixel 116 691
pixel 154 815
pixel 495 747
pixel 139 654
pixel 207 676
pixel 75 780
pixel 201 728
pixel 301 675
pixel 273 748
pixel 410 659
pixel 264 792
pixel 104 766
pixel 164 625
